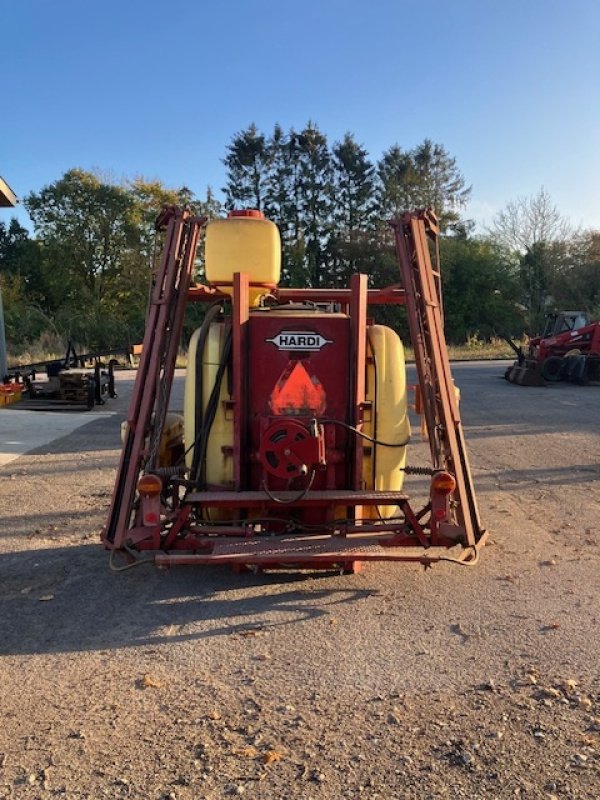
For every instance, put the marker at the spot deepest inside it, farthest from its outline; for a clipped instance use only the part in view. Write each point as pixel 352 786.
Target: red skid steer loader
pixel 568 349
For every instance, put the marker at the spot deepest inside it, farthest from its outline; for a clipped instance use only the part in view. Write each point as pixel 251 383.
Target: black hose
pixel 201 442
pixel 212 312
pixel 363 435
pixel 300 496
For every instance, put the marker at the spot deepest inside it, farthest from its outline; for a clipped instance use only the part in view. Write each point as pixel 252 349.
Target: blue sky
pixel 510 88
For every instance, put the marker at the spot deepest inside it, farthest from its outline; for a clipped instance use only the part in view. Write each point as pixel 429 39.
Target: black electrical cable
pixel 296 499
pixel 361 434
pixel 137 562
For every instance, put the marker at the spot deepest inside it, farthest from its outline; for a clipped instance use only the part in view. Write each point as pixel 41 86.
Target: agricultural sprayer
pixel 292 446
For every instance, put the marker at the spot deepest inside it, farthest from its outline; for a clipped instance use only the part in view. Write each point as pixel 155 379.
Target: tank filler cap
pixel 252 213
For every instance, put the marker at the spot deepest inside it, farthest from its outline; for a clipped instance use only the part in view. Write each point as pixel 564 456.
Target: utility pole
pixel 8 199
pixel 3 362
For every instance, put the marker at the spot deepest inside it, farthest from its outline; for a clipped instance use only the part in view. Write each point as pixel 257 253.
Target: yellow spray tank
pixel 388 422
pixel 246 242
pixel 243 242
pixel 201 376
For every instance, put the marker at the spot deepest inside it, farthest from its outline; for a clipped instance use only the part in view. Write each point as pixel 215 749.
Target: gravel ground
pixel 398 682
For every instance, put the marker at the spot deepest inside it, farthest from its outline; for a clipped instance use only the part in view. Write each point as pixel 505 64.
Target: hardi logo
pixel 299 340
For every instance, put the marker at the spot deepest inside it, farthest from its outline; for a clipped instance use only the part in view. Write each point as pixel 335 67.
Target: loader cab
pixel 562 321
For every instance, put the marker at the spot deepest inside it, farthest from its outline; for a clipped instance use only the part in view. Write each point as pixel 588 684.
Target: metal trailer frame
pixel 102 377
pixel 168 531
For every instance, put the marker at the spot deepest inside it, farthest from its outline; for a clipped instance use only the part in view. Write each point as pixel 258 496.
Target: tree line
pixel 332 203
pixel 84 273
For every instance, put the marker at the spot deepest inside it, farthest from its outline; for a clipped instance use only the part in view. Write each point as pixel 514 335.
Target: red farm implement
pixel 567 350
pixel 291 450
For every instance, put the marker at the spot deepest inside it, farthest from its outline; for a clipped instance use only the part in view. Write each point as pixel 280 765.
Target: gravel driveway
pixel 398 682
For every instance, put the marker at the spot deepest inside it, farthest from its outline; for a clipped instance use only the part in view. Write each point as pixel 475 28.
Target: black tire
pixel 552 369
pixel 91 394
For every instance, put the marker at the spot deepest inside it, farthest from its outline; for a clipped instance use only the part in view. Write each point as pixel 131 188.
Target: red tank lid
pixel 246 212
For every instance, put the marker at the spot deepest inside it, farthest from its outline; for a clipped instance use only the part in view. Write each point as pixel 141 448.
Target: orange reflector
pixel 443 482
pixel 149 485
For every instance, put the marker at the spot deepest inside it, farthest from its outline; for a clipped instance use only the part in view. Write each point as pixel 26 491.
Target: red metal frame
pixel 157 365
pixel 183 536
pixel 358 327
pixel 438 392
pixel 240 315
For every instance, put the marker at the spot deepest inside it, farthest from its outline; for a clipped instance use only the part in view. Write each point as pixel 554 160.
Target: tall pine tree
pixel 314 172
pixel 353 177
pixel 424 177
pixel 247 163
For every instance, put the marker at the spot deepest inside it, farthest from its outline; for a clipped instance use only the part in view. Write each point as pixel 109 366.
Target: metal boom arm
pixel 152 388
pixel 414 233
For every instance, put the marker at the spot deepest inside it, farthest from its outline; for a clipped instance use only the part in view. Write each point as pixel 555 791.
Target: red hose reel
pixel 290 449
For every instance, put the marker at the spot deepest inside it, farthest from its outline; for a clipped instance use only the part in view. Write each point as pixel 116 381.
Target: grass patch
pixel 474 349
pixel 48 347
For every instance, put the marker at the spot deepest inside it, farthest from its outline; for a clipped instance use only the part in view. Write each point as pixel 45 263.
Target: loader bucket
pixel 525 373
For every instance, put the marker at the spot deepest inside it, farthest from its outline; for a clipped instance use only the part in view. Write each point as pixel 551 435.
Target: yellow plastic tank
pixel 171 440
pixel 388 420
pixel 219 452
pixel 243 242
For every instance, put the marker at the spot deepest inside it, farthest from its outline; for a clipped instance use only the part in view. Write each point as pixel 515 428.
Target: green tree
pixel 209 207
pixel 278 182
pixel 396 187
pixel 22 284
pixel 539 268
pixel 481 289
pixel 282 196
pixel 353 185
pixel 425 177
pixel 21 257
pixel 247 162
pixel 92 248
pixel 550 254
pixel 12 237
pixel 576 281
pixel 148 198
pixel 85 226
pixel 315 192
pixel 441 184
pixel 352 207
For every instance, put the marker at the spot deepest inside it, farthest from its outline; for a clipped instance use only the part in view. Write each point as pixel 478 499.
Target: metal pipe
pixel 3 362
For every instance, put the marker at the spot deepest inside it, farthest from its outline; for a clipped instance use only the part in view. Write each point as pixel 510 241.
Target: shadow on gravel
pixel 529 424
pixel 95 436
pixel 66 599
pixel 57 522
pixel 550 476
